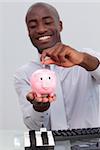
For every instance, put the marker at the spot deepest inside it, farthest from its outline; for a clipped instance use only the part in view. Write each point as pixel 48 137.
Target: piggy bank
pixel 43 82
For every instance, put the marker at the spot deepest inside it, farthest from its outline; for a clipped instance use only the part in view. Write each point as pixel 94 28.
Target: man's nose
pixel 41 28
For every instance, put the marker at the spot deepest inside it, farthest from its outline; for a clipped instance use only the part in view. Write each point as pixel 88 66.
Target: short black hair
pixel 39 4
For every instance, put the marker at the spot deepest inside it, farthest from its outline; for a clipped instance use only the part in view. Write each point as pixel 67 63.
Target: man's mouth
pixel 44 38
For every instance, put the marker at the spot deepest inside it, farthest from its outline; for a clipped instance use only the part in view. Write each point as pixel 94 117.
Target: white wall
pixel 81 29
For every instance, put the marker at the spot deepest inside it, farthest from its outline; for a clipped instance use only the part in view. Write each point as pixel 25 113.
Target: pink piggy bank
pixel 43 82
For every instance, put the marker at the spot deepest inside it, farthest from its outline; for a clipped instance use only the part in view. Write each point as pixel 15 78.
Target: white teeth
pixel 44 38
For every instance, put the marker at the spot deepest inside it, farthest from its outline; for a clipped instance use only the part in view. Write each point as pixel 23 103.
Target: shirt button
pixel 42 116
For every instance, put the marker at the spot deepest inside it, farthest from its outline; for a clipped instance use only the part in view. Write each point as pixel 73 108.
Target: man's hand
pixel 42 103
pixel 66 56
pixel 44 98
pixel 62 55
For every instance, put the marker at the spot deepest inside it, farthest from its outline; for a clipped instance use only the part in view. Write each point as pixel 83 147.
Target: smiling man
pixel 77 71
pixel 44 26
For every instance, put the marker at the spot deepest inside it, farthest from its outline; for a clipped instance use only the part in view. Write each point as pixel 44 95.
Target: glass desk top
pixel 14 140
pixel 11 140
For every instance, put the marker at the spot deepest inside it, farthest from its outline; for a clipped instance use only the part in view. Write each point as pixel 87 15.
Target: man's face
pixel 43 27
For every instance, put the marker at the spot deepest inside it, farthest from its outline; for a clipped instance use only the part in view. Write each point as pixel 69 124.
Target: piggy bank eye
pixel 49 77
pixel 41 78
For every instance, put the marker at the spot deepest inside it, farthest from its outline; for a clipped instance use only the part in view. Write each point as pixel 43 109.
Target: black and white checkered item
pixel 42 138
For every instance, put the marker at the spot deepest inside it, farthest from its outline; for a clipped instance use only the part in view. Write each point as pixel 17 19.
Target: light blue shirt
pixel 80 96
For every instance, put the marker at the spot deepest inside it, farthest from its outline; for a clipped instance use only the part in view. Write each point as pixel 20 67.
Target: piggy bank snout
pixel 46 85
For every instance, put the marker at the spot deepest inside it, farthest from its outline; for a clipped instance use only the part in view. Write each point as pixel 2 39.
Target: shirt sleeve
pixel 33 120
pixel 95 73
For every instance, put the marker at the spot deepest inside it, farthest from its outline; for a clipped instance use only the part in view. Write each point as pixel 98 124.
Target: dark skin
pixel 66 56
pixel 44 27
pixel 43 22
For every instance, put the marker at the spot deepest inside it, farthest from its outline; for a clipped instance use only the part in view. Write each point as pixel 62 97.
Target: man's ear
pixel 61 26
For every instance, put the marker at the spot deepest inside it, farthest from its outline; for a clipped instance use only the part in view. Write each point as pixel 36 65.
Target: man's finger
pixel 48 52
pixel 29 96
pixel 48 61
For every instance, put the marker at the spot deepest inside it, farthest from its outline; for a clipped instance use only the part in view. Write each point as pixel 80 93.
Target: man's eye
pixel 32 27
pixel 48 22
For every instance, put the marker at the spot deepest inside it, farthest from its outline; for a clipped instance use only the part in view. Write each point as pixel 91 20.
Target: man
pixel 78 77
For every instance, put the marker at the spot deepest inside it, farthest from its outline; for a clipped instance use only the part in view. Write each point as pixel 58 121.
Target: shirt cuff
pixel 40 116
pixel 96 74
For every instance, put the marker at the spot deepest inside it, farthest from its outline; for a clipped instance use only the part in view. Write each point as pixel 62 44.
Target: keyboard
pixel 60 135
pixel 76 134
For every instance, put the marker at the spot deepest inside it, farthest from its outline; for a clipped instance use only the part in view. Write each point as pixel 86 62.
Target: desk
pixel 11 140
pixel 14 140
